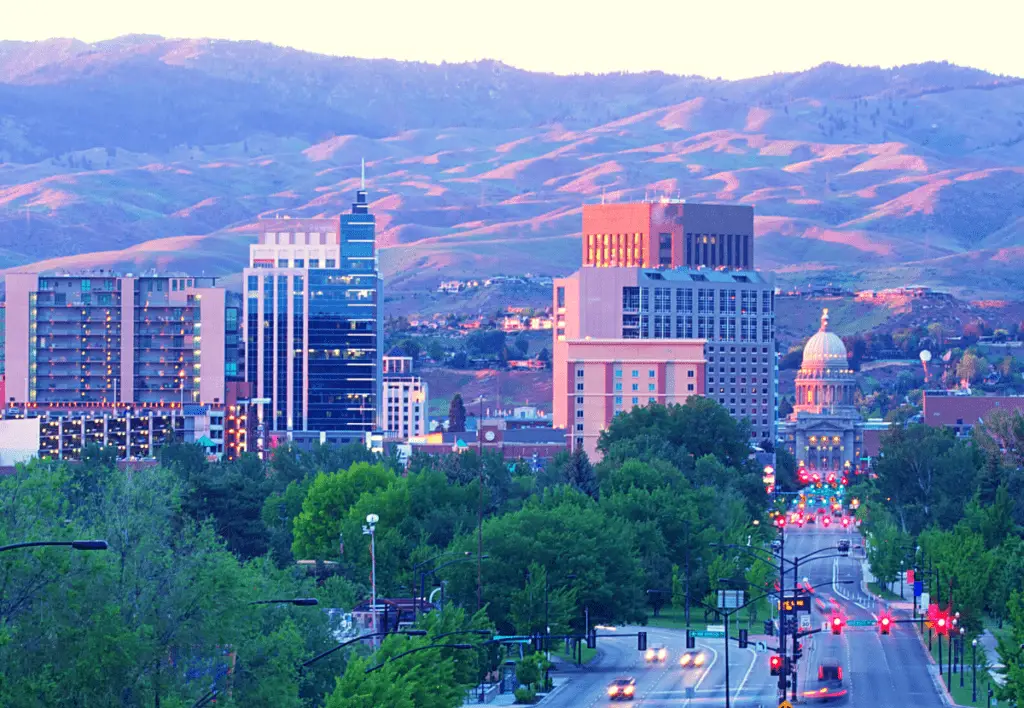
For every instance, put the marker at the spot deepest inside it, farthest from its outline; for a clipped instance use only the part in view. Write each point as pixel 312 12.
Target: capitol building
pixel 825 431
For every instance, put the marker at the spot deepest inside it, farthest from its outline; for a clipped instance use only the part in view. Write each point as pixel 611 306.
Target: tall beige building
pixel 405 399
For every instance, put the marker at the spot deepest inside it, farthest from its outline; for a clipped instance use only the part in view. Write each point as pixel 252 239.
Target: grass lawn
pixel 588 654
pixel 671 618
pixel 962 696
pixel 884 592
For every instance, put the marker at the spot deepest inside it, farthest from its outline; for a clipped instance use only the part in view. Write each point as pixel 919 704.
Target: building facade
pixel 596 379
pixel 961 413
pixel 405 399
pixel 668 233
pixel 101 337
pixel 733 311
pixel 311 326
pixel 825 431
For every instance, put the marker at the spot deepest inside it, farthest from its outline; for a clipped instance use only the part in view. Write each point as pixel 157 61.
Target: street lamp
pixel 974 670
pixel 962 657
pixel 74 545
pixel 318 657
pixel 369 529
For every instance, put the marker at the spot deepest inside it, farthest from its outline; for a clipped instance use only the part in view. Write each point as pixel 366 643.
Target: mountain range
pixel 144 152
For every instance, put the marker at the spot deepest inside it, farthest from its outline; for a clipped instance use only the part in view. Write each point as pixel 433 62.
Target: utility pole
pixel 480 512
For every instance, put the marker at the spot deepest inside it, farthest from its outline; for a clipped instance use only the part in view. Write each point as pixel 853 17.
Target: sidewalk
pixel 509 699
pixel 991 644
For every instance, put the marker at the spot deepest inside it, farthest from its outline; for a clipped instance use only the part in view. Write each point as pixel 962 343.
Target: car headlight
pixel 685 659
pixel 612 690
pixel 629 690
pixel 699 661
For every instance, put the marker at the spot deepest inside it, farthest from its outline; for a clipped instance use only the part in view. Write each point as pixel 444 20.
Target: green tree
pixel 316 529
pixel 457 415
pixel 579 474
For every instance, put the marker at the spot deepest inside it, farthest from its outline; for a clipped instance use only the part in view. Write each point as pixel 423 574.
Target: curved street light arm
pixel 318 657
pixel 96 545
pixel 439 556
pixel 413 651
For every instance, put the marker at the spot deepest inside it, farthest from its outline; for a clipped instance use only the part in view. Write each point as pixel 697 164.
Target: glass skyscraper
pixel 312 327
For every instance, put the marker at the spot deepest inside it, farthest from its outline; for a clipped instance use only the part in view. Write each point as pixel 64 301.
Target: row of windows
pixel 637 326
pixel 636 299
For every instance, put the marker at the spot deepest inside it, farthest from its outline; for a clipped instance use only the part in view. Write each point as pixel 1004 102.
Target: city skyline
pixel 796 35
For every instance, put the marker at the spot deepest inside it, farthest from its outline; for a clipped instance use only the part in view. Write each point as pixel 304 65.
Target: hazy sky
pixel 727 38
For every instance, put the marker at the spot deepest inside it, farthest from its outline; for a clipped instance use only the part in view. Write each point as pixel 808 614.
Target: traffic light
pixel 691 643
pixel 799 651
pixel 846 522
pixel 641 641
pixel 775 664
pixel 743 639
pixel 885 623
pixel 942 623
pixel 592 639
pixel 780 520
pixel 836 624
pixel 769 628
pixel 538 643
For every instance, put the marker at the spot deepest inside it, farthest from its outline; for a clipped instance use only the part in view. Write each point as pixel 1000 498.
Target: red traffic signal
pixel 846 522
pixel 836 624
pixel 885 624
pixel 780 520
pixel 942 623
pixel 775 664
pixel 826 520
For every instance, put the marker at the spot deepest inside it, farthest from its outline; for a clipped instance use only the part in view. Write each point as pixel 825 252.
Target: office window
pixel 650 373
pixel 579 372
pixel 282 262
pixel 689 387
pixel 635 400
pixel 579 400
pixel 684 326
pixel 579 428
pixel 300 262
pixel 650 387
pixel 579 442
pixel 579 414
pixel 579 387
pixel 314 262
pixel 560 297
pixel 618 373
pixel 636 387
pixel 689 373
pixel 631 299
pixel 705 300
pixel 663 326
pixel 618 386
pixel 684 300
pixel 662 299
pixel 635 373
pixel 618 400
pixel 330 263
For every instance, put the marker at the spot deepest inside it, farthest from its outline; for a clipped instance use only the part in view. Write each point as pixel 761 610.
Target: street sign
pixel 259 401
pixel 510 637
pixel 785 704
pixel 861 623
pixel 797 603
pixel 707 634
pixel 730 599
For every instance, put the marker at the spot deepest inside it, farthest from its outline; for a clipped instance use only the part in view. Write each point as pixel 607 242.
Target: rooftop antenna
pixel 362 173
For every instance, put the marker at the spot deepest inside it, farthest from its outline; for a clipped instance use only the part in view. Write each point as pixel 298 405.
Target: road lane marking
pixel 753 660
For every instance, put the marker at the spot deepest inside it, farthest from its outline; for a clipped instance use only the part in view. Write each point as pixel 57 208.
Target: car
pixel 811 519
pixel 622 689
pixel 656 654
pixel 692 660
pixel 829 687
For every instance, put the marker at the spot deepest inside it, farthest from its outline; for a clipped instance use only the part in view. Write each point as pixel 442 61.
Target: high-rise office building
pixel 311 327
pixel 404 407
pixel 668 233
pixel 100 337
pixel 733 311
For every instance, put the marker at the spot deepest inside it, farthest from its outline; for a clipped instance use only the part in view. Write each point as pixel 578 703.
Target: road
pixel 880 671
pixel 666 684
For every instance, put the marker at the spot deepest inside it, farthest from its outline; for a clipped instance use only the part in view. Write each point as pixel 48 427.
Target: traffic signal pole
pixel 782 633
pixel 796 574
pixel 727 704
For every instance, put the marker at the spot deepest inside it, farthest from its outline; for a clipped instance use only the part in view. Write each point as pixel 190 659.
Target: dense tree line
pixel 162 616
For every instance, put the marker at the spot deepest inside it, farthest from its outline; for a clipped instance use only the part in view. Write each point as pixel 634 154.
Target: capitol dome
pixel 825 349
